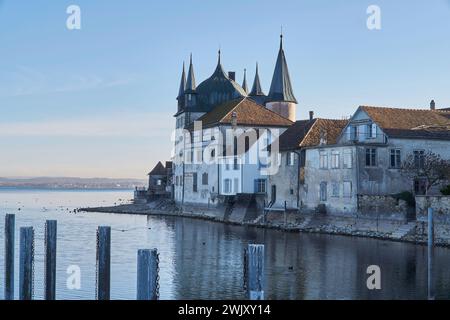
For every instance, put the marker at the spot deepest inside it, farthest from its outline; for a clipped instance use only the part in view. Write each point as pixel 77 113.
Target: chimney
pixel 432 105
pixel 311 115
pixel 232 75
pixel 234 119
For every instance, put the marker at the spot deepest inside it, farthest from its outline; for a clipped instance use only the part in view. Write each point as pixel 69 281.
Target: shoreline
pixel 317 224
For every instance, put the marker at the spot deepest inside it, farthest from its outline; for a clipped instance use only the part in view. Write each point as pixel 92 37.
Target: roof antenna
pixel 220 52
pixel 281 37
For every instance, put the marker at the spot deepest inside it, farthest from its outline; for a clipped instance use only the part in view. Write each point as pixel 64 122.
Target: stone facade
pixel 385 207
pixel 440 205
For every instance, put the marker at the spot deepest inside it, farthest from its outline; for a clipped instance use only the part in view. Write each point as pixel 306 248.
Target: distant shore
pixel 295 222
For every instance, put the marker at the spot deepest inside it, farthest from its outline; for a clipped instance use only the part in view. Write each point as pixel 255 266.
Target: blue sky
pixel 99 101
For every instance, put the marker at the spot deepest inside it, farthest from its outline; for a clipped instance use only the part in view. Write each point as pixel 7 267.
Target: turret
pixel 244 83
pixel 190 89
pixel 181 91
pixel 281 97
pixel 256 89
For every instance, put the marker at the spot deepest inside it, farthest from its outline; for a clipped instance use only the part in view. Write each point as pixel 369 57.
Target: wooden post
pixel 147 275
pixel 10 222
pixel 255 271
pixel 430 254
pixel 50 259
pixel 103 263
pixel 285 214
pixel 26 263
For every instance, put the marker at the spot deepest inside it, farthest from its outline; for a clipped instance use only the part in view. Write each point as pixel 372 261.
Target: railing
pixel 147 265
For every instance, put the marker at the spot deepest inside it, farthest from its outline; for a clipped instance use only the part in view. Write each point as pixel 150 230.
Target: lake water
pixel 203 260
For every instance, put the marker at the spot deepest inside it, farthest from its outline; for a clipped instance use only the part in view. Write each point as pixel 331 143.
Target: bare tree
pixel 428 166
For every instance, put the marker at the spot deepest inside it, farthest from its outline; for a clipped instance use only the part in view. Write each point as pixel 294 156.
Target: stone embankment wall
pixel 386 207
pixel 440 205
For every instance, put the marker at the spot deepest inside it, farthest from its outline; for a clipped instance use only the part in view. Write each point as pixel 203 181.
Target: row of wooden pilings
pixel 147 265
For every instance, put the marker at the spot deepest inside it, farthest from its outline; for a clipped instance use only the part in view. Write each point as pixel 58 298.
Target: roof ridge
pixel 232 109
pixel 402 109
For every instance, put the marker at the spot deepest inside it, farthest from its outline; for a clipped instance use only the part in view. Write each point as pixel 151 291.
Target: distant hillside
pixel 72 183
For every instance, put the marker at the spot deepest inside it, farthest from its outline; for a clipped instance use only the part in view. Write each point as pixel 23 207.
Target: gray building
pixel 337 165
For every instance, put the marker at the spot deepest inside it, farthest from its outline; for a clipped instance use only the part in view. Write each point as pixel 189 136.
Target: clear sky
pixel 99 101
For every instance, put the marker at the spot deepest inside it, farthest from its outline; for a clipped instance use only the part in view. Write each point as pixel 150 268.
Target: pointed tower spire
pixel 256 89
pixel 281 87
pixel 182 83
pixel 244 83
pixel 190 82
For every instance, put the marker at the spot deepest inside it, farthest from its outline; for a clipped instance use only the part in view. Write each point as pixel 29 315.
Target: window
pixel 347 189
pixel 396 161
pixel 419 159
pixel 302 158
pixel 260 186
pixel 290 158
pixel 347 163
pixel 335 160
pixel 159 182
pixel 420 186
pixel 371 130
pixel 323 160
pixel 335 189
pixel 227 165
pixel 213 153
pixel 236 185
pixel 371 157
pixel 323 191
pixel 227 186
pixel 235 164
pixel 205 179
pixel 176 180
pixel 353 133
pixel 291 191
pixel 194 182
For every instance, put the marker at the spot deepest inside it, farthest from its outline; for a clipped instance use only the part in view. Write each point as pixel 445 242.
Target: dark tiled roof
pixel 308 133
pixel 216 90
pixel 294 135
pixel 281 87
pixel 182 84
pixel 248 112
pixel 256 89
pixel 244 83
pixel 190 82
pixel 158 170
pixel 411 123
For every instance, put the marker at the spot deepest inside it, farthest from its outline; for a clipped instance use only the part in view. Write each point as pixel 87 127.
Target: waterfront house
pixel 355 166
pixel 298 182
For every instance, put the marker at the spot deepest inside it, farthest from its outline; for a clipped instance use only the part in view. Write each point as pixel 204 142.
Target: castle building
pixel 207 112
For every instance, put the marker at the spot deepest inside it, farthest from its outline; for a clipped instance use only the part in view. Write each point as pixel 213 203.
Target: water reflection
pixel 204 260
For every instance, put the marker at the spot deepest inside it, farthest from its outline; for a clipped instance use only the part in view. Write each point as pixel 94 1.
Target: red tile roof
pixel 411 123
pixel 248 113
pixel 308 133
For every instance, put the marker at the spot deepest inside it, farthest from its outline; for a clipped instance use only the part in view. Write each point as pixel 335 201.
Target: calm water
pixel 203 260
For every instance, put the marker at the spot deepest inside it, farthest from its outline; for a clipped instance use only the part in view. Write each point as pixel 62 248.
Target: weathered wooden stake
pixel 147 275
pixel 10 222
pixel 103 263
pixel 26 263
pixel 255 271
pixel 50 259
pixel 285 214
pixel 430 254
